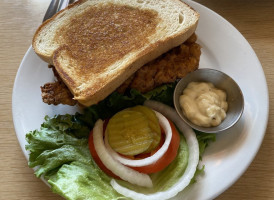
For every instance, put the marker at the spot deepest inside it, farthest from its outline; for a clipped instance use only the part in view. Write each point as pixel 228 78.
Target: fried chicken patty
pixel 170 66
pixel 57 92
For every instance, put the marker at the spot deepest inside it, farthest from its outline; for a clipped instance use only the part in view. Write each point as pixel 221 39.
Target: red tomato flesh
pixel 159 165
pixel 97 159
pixel 167 158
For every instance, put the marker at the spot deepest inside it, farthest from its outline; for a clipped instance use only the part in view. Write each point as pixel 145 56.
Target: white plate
pixel 223 48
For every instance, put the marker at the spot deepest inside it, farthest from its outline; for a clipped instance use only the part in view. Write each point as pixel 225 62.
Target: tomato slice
pixel 97 159
pixel 163 162
pixel 167 158
pixel 145 155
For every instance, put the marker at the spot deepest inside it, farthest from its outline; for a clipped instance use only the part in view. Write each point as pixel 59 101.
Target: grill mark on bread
pixel 104 34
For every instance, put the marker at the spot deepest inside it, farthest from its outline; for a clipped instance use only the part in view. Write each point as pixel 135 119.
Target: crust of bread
pixel 104 82
pixel 48 57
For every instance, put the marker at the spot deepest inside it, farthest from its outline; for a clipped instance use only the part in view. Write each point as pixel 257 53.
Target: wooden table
pixel 18 21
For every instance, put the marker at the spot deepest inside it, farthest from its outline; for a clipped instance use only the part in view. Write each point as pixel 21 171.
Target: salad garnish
pixel 61 154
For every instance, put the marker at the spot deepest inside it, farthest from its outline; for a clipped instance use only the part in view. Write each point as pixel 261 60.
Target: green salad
pixel 59 150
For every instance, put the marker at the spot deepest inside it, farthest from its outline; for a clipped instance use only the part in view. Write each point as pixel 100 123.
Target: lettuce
pixel 80 180
pixel 61 154
pixel 162 94
pixel 59 150
pixel 204 139
pixel 116 102
pixel 166 178
pixel 109 106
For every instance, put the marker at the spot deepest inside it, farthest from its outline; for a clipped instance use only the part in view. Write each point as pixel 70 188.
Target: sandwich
pixel 120 147
pixel 95 47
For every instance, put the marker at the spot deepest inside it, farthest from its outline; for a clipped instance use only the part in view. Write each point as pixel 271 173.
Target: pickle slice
pixel 153 124
pixel 129 132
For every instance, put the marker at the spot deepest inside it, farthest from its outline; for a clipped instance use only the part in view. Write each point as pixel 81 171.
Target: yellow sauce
pixel 203 104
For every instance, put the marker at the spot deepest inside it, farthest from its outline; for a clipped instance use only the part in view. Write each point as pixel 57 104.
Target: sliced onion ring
pixel 116 167
pixel 149 160
pixel 193 158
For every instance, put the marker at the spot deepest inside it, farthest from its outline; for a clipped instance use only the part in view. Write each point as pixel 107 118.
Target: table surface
pixel 18 22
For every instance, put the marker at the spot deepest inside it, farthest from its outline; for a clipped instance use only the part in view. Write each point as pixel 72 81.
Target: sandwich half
pixel 96 45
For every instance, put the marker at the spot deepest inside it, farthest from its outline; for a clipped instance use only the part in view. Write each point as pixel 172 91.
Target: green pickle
pixel 134 131
pixel 153 124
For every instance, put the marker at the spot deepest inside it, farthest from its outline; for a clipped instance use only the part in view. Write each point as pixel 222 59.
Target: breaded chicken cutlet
pixel 174 64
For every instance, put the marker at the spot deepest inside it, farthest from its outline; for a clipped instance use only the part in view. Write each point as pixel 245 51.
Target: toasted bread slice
pixel 95 45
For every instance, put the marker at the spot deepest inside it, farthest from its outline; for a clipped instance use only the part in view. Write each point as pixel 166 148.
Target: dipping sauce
pixel 204 104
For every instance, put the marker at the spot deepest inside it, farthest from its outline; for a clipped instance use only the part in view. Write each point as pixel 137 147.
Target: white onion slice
pixel 149 160
pixel 192 160
pixel 116 167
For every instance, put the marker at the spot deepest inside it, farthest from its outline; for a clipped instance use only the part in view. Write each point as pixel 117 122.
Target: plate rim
pixel 264 127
